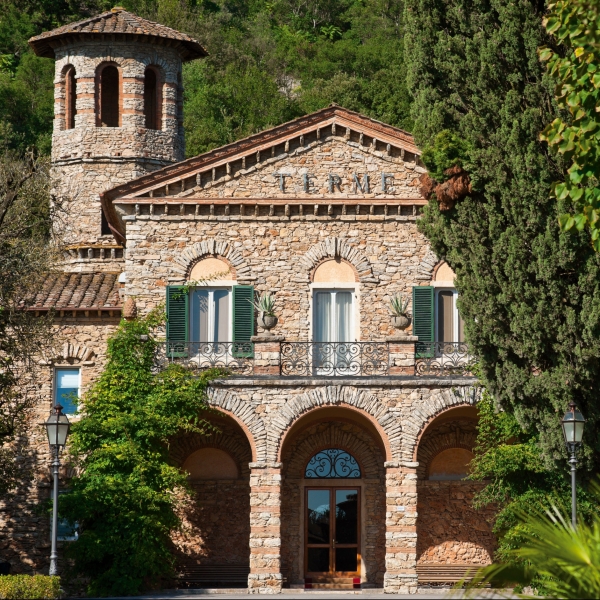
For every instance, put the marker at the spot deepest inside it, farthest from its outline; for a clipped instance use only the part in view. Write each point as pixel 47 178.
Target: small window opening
pixel 109 97
pixel 151 100
pixel 105 229
pixel 70 98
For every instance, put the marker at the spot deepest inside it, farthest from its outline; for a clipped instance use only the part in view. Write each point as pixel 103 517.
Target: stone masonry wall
pixel 25 534
pixel 88 159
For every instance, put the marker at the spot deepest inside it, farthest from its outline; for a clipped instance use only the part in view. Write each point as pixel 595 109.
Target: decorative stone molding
pixel 245 416
pixel 425 410
pixel 192 254
pixel 337 395
pixel 71 353
pixel 426 267
pixel 332 248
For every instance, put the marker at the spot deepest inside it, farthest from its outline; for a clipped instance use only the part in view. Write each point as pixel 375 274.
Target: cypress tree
pixel 529 294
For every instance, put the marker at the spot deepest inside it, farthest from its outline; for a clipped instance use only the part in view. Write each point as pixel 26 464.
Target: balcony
pixel 272 357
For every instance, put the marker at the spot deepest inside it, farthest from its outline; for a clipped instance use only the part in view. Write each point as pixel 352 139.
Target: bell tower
pixel 118 112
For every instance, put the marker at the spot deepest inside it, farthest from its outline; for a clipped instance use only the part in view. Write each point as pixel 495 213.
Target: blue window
pixel 66 390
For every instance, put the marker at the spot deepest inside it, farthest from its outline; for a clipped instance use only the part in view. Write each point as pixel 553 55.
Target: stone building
pixel 342 442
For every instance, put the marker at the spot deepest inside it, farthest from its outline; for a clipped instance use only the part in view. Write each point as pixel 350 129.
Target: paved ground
pixel 224 594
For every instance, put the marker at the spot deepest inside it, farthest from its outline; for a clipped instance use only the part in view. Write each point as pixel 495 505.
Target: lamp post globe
pixel 572 426
pixel 57 428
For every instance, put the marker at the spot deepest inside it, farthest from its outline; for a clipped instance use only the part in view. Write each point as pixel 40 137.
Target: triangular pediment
pixel 331 154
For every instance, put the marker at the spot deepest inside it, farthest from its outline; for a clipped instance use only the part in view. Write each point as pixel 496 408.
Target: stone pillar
pixel 401 528
pixel 402 354
pixel 267 353
pixel 265 529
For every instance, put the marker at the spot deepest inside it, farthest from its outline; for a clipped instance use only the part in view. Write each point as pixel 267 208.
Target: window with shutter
pixel 177 320
pixel 243 320
pixel 423 320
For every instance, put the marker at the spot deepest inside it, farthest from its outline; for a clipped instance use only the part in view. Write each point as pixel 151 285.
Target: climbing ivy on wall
pixel 126 492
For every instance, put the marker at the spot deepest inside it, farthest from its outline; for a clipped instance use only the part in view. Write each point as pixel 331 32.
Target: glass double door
pixel 332 532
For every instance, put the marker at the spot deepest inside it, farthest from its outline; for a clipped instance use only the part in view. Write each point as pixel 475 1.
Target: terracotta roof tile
pixel 77 291
pixel 117 21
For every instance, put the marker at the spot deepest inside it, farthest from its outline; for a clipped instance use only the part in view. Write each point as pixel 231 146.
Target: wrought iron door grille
pixel 334 359
pixel 236 357
pixel 443 359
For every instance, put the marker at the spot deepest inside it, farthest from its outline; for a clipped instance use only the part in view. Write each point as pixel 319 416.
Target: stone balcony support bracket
pixel 265 529
pixel 401 348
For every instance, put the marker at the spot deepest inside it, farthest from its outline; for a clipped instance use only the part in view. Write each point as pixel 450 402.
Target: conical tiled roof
pixel 117 22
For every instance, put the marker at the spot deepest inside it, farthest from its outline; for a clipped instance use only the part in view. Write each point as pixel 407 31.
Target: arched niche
pixel 210 464
pixel 334 271
pixel 444 274
pixel 108 96
pixel 211 269
pixel 451 464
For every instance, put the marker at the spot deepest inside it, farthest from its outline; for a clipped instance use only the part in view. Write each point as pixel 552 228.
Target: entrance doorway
pixel 332 532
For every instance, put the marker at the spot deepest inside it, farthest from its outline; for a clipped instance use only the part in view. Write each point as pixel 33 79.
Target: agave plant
pixel 559 560
pixel 265 304
pixel 398 306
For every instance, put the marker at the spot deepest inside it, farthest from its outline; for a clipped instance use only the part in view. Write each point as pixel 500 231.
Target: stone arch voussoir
pixel 426 408
pixel 73 352
pixel 344 396
pixel 185 260
pixel 246 417
pixel 332 248
pixel 426 267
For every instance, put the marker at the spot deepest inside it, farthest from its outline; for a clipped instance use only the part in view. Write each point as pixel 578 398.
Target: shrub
pixel 29 586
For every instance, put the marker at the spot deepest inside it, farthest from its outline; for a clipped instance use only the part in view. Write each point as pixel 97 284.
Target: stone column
pixel 267 353
pixel 401 528
pixel 265 529
pixel 402 354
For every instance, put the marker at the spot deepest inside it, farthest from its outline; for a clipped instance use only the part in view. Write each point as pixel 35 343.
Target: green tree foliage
pixel 24 259
pixel 270 61
pixel 529 295
pixel 553 557
pixel 126 494
pixel 510 462
pixel 576 24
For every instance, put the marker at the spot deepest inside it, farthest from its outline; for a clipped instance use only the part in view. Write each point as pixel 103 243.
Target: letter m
pixel 364 188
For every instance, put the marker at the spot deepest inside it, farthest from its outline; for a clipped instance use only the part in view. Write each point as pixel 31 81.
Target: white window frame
pixel 227 286
pixel 336 287
pixel 455 315
pixel 55 383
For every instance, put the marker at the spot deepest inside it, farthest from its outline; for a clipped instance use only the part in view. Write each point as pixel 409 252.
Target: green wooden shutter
pixel 243 320
pixel 423 320
pixel 177 320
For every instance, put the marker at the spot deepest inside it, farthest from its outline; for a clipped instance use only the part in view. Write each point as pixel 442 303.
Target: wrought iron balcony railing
pixel 334 359
pixel 236 357
pixel 443 359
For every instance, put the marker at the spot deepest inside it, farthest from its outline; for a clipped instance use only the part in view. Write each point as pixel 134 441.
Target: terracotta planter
pixel 401 322
pixel 267 321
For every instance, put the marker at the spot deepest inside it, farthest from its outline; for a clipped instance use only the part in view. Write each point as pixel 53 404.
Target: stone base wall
pixel 24 532
pixel 449 529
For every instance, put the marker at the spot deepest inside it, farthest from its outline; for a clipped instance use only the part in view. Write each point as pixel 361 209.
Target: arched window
pixel 152 99
pixel 332 463
pixel 109 101
pixel 70 97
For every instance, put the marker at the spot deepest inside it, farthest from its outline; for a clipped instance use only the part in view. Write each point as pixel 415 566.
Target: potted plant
pixel 265 305
pixel 400 318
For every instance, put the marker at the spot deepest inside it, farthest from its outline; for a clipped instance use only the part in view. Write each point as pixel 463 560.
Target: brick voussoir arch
pixel 343 396
pixel 211 247
pixel 424 412
pixel 245 416
pixel 332 248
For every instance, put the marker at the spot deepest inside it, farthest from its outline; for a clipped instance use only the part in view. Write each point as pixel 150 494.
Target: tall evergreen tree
pixel 529 294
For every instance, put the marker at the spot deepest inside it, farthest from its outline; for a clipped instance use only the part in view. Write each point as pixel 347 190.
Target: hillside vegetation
pixel 270 61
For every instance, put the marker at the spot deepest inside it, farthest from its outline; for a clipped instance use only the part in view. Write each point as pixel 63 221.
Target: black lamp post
pixel 57 427
pixel 572 424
